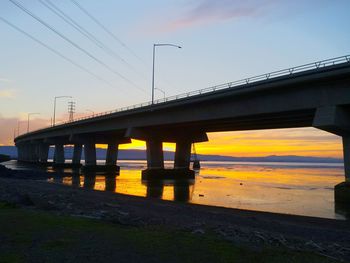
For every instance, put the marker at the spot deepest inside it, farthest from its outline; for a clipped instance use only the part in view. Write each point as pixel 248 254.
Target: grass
pixel 35 236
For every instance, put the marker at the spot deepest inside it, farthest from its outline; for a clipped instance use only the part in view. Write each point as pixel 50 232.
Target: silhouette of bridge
pixel 312 95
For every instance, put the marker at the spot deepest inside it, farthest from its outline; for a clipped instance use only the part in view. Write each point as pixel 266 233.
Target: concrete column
pixel 155 158
pixel 34 156
pixel 112 154
pixel 77 153
pixel 182 155
pixel 90 153
pixel 59 154
pixel 43 152
pixel 19 152
pixel 346 153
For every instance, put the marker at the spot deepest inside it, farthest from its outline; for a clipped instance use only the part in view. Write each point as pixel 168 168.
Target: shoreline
pixel 253 228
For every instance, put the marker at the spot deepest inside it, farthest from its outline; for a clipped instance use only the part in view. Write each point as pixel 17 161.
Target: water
pixel 290 188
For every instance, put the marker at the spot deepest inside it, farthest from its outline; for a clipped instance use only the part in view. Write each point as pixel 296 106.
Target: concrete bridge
pixel 313 95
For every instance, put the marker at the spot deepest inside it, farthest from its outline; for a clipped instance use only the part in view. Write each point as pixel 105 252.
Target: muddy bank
pixel 254 229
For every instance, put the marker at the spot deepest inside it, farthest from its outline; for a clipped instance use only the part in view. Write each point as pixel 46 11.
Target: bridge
pixel 312 95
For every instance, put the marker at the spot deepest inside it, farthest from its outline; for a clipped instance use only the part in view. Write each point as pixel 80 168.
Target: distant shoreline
pixel 168 156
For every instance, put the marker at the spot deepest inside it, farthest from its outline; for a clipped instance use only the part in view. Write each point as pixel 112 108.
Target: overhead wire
pixel 74 44
pixel 93 18
pixel 55 51
pixel 56 10
pixel 105 28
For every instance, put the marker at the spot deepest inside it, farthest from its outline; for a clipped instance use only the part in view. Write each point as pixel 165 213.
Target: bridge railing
pixel 229 85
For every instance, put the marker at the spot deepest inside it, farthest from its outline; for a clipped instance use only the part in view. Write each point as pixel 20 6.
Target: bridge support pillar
pixel 155 159
pixel 112 154
pixel 25 152
pixel 90 153
pixel 342 190
pixel 59 154
pixel 34 157
pixel 182 155
pixel 77 154
pixel 336 119
pixel 43 152
pixel 20 152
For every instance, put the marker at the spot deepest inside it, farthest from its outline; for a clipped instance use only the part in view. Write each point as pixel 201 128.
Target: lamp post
pixel 29 114
pixel 54 108
pixel 162 91
pixel 154 58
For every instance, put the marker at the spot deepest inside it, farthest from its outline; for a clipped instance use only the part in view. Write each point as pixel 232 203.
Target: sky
pixel 222 41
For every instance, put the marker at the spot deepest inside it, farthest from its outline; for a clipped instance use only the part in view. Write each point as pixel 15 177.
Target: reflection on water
pixel 302 189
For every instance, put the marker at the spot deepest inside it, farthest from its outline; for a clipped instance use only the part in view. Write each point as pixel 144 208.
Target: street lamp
pixel 54 107
pixel 162 91
pixel 29 114
pixel 154 58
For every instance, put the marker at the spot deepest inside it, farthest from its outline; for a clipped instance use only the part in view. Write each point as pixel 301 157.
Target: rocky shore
pixel 256 230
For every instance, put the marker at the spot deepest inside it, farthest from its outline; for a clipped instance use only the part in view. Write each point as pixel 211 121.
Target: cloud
pixel 9 125
pixel 7 93
pixel 300 141
pixel 203 12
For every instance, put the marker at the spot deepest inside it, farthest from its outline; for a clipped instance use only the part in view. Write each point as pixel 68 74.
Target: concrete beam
pixel 333 119
pixel 167 135
pixel 98 139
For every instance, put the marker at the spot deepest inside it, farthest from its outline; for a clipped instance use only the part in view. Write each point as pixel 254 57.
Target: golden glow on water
pixel 300 141
pixel 273 188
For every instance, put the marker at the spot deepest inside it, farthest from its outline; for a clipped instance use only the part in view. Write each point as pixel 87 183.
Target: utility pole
pixel 71 110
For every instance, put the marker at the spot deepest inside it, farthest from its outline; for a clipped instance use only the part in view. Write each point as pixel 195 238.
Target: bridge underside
pixel 319 98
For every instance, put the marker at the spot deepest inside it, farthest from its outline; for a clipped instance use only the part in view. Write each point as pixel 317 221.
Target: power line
pixel 114 37
pixel 73 43
pixel 51 6
pixel 54 51
pixel 105 29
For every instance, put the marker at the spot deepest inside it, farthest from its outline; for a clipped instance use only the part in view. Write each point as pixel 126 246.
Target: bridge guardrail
pixel 246 81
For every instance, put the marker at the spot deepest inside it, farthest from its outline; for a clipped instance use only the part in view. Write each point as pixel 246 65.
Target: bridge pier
pixel 77 154
pixel 90 153
pixel 155 158
pixel 33 153
pixel 336 119
pixel 182 155
pixel 59 158
pixel 342 190
pixel 43 152
pixel 112 154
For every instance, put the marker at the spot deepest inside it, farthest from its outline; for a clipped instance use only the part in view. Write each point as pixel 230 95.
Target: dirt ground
pixel 327 237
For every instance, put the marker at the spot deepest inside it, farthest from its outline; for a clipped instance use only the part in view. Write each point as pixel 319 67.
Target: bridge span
pixel 313 95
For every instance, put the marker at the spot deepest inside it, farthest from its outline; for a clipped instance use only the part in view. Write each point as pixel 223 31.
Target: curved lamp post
pixel 54 108
pixel 154 58
pixel 30 114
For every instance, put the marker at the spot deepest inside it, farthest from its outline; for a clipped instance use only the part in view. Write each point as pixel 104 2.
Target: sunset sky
pixel 222 40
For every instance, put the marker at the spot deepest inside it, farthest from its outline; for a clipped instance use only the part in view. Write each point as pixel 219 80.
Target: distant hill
pixel 141 155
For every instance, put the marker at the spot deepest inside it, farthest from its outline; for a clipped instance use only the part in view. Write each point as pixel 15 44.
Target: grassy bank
pixel 35 236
